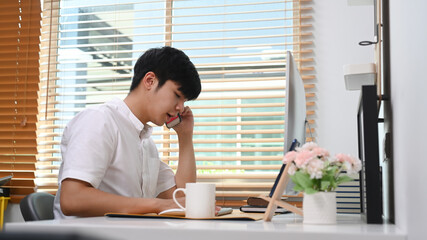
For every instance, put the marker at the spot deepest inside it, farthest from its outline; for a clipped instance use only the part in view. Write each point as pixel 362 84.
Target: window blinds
pixel 88 50
pixel 19 79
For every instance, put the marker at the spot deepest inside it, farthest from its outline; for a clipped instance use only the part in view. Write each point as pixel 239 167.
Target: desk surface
pixel 349 227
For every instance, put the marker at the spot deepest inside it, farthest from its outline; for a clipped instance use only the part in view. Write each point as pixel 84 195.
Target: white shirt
pixel 108 147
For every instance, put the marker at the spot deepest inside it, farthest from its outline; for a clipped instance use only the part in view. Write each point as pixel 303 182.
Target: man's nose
pixel 180 106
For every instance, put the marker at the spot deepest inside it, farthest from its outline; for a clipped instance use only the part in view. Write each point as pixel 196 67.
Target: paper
pixel 173 211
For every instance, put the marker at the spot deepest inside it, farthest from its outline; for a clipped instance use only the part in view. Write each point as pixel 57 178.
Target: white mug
pixel 199 200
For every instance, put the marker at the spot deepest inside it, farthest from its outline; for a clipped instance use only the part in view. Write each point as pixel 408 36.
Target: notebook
pixel 231 215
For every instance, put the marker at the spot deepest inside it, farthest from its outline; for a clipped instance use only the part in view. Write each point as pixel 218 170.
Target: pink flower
pixel 344 158
pixel 309 146
pixel 340 157
pixel 303 157
pixel 292 169
pixel 315 168
pixel 320 152
pixel 315 162
pixel 289 157
pixel 351 164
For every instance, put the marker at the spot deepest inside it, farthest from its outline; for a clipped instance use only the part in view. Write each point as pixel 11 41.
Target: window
pixel 239 49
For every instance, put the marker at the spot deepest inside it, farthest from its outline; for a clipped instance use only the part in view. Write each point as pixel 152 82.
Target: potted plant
pixel 317 174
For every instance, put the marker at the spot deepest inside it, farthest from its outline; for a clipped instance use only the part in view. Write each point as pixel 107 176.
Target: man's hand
pixel 217 209
pixel 186 171
pixel 185 128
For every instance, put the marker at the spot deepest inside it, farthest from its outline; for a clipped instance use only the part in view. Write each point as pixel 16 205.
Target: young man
pixel 109 161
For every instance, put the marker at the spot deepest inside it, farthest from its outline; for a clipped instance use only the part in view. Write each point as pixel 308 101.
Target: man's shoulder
pixel 102 110
pixel 98 115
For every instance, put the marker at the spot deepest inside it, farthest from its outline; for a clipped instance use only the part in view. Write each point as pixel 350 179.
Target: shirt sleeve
pixel 87 147
pixel 166 178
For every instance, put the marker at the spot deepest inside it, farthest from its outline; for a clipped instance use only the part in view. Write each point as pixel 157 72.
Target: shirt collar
pixel 143 130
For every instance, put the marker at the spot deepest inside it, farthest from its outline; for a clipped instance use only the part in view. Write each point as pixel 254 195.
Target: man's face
pixel 166 102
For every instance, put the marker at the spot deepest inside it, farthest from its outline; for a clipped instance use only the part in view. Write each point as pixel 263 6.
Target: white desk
pixel 287 226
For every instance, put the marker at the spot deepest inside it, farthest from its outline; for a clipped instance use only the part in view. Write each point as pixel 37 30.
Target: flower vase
pixel 320 208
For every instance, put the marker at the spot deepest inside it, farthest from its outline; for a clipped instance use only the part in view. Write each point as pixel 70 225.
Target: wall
pixel 13 213
pixel 408 38
pixel 338 28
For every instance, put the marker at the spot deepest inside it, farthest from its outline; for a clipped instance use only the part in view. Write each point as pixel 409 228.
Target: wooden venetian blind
pixel 19 79
pixel 239 49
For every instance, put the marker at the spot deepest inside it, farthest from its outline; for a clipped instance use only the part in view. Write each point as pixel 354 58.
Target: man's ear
pixel 149 80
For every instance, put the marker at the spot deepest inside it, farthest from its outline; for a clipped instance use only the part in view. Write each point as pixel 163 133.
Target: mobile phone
pixel 174 121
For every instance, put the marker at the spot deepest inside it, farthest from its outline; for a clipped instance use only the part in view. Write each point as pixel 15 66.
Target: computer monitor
pixel 295 112
pixel 295 106
pixel 295 117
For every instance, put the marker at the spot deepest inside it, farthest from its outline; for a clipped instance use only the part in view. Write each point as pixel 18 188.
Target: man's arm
pixel 186 171
pixel 79 198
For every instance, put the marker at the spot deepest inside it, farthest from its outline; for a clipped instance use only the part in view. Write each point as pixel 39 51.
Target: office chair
pixel 37 206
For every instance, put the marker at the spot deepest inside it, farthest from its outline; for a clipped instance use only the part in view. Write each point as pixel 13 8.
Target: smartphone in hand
pixel 174 121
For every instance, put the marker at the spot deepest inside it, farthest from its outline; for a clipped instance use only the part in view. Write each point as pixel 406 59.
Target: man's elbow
pixel 70 202
pixel 68 205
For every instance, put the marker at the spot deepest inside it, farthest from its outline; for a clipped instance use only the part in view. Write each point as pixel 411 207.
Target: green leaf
pixel 303 179
pixel 343 178
pixel 334 169
pixel 297 186
pixel 310 191
pixel 324 185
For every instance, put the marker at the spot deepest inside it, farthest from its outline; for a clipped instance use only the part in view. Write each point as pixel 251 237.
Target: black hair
pixel 168 63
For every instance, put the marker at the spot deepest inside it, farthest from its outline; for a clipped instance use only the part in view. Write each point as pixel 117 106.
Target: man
pixel 109 161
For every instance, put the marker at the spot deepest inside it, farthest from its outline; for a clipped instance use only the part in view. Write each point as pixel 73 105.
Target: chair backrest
pixel 37 206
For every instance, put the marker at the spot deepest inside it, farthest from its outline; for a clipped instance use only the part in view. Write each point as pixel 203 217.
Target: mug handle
pixel 174 198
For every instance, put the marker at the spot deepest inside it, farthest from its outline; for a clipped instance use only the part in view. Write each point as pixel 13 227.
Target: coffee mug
pixel 199 200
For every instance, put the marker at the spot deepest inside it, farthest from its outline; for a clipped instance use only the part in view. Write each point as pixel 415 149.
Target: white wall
pixel 338 28
pixel 408 38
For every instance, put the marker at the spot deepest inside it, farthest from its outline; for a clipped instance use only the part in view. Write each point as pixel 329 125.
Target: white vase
pixel 320 208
